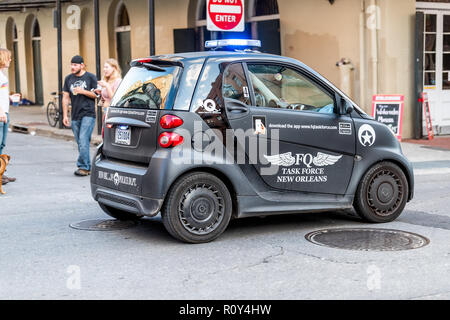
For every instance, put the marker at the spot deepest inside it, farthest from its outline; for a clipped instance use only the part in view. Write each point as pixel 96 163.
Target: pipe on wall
pixel 362 55
pixel 374 47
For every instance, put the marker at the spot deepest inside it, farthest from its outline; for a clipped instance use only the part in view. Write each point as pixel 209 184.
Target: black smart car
pixel 209 136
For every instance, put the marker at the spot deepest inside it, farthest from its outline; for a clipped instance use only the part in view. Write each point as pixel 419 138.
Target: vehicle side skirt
pixel 257 206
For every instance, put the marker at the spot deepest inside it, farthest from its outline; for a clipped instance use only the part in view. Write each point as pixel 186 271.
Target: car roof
pixel 189 57
pixel 238 54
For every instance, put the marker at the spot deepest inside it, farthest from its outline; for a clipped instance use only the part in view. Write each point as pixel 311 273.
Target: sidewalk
pixel 33 120
pixel 441 142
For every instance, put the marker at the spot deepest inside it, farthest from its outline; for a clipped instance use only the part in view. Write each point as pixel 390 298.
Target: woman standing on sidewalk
pixel 112 77
pixel 5 61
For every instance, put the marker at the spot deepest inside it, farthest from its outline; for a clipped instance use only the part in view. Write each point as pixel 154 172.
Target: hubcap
pixel 385 193
pixel 201 209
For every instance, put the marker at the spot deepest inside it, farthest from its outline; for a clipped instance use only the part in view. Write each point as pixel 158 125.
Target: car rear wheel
pixel 119 214
pixel 197 209
pixel 382 193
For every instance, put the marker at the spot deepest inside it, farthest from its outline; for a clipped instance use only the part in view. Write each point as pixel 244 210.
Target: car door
pixel 302 142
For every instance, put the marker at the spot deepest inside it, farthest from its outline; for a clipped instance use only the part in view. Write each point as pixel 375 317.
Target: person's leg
pixel 3 133
pixel 86 129
pixel 76 130
pixel 76 124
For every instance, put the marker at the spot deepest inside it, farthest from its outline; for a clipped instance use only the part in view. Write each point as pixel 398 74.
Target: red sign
pixel 388 109
pixel 225 15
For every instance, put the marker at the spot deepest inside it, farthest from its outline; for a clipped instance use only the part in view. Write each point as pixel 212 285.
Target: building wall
pixel 314 32
pixel 320 34
pixel 83 41
pixel 396 55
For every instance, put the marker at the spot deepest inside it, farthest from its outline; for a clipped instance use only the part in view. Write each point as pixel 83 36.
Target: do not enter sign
pixel 225 15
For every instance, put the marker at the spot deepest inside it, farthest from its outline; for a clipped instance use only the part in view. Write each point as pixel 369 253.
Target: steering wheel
pixel 279 104
pixel 260 100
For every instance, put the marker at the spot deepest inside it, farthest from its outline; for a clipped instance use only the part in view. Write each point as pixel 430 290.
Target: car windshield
pixel 147 89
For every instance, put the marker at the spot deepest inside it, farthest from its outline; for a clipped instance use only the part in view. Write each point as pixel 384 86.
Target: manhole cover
pixel 103 225
pixel 367 239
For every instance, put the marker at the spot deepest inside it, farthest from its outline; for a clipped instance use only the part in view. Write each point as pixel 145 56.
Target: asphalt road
pixel 41 257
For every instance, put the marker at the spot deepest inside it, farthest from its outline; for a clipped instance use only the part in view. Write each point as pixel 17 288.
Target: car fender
pixel 385 147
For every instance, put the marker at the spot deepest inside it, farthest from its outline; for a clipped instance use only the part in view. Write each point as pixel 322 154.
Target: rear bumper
pixel 124 201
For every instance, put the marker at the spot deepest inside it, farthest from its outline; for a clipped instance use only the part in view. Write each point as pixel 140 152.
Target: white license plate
pixel 123 136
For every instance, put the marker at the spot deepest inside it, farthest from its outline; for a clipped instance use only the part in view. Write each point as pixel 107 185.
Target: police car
pixel 231 133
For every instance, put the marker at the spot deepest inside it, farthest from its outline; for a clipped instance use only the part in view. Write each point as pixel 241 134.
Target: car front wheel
pixel 197 209
pixel 382 193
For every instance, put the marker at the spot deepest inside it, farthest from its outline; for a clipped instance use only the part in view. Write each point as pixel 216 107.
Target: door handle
pixel 240 109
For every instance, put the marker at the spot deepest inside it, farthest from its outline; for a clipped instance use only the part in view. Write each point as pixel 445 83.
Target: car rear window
pixel 147 89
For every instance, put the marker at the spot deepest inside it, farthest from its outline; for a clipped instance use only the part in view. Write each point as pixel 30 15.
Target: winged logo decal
pixel 287 160
pixel 284 160
pixel 323 159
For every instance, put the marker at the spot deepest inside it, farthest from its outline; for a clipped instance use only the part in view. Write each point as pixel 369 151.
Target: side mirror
pixel 345 107
pixel 348 108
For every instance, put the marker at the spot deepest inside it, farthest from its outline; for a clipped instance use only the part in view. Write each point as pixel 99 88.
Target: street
pixel 42 257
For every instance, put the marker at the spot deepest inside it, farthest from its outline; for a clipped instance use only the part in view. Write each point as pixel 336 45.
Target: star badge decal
pixel 366 135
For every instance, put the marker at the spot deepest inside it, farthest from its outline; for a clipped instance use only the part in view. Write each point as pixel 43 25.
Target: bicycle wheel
pixel 52 114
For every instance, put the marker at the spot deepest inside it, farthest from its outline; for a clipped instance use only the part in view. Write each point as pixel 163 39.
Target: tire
pixel 119 214
pixel 197 209
pixel 382 193
pixel 52 114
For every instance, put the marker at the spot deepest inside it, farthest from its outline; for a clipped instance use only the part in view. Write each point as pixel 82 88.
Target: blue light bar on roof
pixel 232 43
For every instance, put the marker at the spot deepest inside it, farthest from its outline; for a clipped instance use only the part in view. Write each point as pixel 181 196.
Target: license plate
pixel 123 136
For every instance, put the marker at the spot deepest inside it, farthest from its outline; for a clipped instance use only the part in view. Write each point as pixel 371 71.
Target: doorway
pixel 436 67
pixel 15 54
pixel 37 66
pixel 123 38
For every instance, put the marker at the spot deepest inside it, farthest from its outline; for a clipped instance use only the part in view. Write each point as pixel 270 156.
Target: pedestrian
pixel 112 77
pixel 5 61
pixel 78 90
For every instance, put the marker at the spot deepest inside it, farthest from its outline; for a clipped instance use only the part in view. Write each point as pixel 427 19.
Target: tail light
pixel 145 60
pixel 109 126
pixel 170 139
pixel 170 122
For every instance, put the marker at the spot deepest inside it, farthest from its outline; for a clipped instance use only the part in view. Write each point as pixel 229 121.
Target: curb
pixel 51 133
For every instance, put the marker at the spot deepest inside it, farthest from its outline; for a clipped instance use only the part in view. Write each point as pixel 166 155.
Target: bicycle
pixel 53 116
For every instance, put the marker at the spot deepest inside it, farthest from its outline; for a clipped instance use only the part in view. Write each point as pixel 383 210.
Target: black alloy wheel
pixel 198 208
pixel 382 193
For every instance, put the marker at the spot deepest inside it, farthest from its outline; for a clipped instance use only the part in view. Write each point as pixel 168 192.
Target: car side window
pixel 235 84
pixel 278 86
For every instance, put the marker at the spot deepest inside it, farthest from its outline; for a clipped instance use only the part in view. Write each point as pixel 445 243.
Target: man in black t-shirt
pixel 78 90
